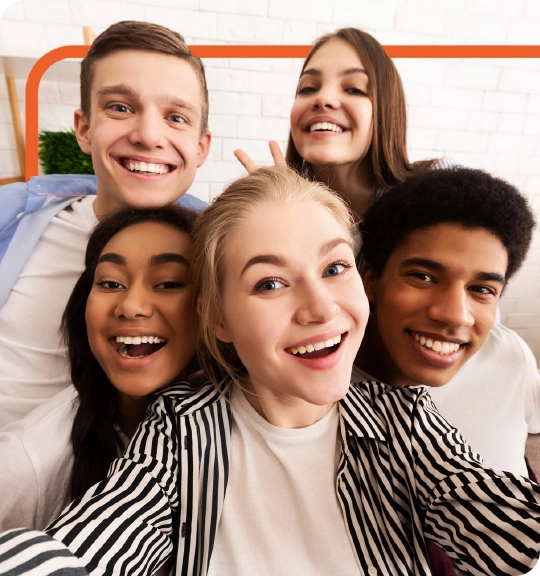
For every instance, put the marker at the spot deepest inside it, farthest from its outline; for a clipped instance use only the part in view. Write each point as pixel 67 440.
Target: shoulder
pixel 444 164
pixel 184 398
pixel 504 347
pixel 192 203
pixel 43 424
pixel 375 409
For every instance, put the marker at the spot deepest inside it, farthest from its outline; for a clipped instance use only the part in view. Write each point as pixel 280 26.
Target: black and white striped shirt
pixel 404 474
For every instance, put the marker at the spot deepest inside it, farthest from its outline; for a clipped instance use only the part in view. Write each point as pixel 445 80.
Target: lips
pixel 450 351
pixel 137 346
pixel 317 349
pixel 324 124
pixel 146 167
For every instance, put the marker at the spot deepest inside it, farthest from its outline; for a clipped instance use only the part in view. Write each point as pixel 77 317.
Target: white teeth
pixel 326 126
pixel 316 346
pixel 440 347
pixel 140 339
pixel 147 167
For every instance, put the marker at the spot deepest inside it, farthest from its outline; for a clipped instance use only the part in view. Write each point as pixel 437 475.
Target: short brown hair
pixel 389 158
pixel 132 35
pixel 210 233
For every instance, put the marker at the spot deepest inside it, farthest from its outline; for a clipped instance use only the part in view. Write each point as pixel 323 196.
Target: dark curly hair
pixel 465 196
pixel 94 435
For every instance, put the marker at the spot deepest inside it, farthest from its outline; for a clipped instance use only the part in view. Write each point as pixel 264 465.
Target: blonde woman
pixel 279 465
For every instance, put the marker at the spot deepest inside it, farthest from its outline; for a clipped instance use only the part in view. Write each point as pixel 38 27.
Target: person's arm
pixel 19 494
pixel 122 525
pixel 488 522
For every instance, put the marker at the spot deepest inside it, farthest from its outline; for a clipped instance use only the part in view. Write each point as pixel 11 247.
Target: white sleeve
pixel 19 495
pixel 532 381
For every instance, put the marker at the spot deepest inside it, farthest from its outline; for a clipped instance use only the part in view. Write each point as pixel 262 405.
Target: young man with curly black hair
pixel 439 250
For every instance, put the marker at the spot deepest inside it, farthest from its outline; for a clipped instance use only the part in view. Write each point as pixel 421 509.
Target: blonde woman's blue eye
pixel 336 269
pixel 268 285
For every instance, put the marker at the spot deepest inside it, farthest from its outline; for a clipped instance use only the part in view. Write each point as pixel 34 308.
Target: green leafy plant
pixel 59 153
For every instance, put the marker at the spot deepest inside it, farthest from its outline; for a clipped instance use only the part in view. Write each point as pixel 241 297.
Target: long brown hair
pixel 389 158
pixel 94 436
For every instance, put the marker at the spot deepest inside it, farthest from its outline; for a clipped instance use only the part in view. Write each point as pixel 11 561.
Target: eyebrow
pixel 125 90
pixel 156 260
pixel 438 267
pixel 167 257
pixel 113 258
pixel 282 262
pixel 346 72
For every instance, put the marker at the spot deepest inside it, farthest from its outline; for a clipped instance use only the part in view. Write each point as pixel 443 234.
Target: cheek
pixel 297 110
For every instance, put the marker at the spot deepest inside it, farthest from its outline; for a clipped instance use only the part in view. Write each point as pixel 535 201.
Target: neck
pixel 132 410
pixel 353 182
pixel 373 358
pixel 284 411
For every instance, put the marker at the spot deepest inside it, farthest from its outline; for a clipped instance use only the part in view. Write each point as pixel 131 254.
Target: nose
pixel 147 130
pixel 451 306
pixel 135 304
pixel 315 305
pixel 325 98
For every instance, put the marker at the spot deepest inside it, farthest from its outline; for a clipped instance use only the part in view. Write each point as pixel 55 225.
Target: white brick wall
pixel 482 112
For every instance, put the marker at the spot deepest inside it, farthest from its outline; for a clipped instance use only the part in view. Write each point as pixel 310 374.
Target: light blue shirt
pixel 26 209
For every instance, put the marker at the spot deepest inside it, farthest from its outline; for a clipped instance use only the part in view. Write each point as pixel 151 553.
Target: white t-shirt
pixel 33 365
pixel 494 404
pixel 36 460
pixel 281 514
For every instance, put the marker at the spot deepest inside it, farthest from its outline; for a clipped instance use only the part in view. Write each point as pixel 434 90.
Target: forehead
pixel 291 229
pixel 140 241
pixel 148 73
pixel 454 246
pixel 335 55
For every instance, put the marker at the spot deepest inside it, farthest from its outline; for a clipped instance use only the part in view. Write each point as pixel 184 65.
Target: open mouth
pixel 137 346
pixel 146 168
pixel 317 349
pixel 441 347
pixel 325 127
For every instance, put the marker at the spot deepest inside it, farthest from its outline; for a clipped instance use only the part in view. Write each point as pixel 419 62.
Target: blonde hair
pixel 218 222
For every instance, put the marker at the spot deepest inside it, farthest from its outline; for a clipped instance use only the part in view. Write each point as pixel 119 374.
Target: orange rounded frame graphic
pixel 41 66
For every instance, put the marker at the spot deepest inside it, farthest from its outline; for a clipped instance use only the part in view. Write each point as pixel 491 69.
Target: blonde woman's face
pixel 293 303
pixel 332 114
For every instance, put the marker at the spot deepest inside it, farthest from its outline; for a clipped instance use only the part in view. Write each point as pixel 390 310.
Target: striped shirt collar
pixel 356 408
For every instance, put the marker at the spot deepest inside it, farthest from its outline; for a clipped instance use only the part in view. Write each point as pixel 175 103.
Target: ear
pixel 203 147
pixel 82 131
pixel 370 281
pixel 222 332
